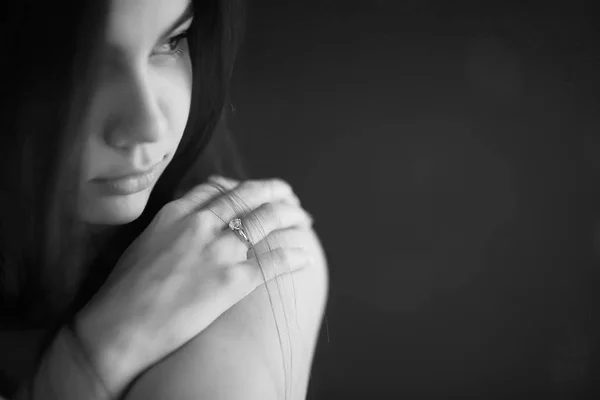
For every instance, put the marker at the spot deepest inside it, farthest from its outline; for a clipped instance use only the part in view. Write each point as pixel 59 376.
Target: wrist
pixel 69 344
pixel 80 354
pixel 63 374
pixel 110 354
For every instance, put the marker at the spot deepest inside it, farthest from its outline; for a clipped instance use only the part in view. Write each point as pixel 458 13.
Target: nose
pixel 136 116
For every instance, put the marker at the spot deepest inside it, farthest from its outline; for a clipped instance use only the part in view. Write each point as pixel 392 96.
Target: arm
pixel 62 374
pixel 239 355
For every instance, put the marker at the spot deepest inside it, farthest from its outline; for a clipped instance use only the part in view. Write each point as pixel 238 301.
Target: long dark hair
pixel 50 59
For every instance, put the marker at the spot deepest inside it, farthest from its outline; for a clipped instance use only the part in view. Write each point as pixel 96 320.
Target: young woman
pixel 125 272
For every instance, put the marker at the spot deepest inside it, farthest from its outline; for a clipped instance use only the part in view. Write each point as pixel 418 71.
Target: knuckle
pixel 278 220
pixel 266 216
pixel 225 276
pixel 278 239
pixel 201 191
pixel 281 256
pixel 219 188
pixel 167 210
pixel 284 259
pixel 273 241
pixel 235 275
pixel 223 180
pixel 275 183
pixel 206 191
pixel 219 252
pixel 250 185
pixel 212 251
pixel 269 210
pixel 200 220
pixel 170 210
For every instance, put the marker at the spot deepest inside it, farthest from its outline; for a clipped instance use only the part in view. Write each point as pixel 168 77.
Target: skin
pixel 140 106
pixel 239 355
pixel 138 115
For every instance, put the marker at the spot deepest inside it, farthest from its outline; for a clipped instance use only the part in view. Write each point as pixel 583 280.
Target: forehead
pixel 133 23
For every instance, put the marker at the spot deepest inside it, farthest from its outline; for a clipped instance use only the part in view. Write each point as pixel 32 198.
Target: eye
pixel 174 46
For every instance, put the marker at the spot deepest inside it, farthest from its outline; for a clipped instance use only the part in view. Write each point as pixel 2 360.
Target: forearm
pixel 64 374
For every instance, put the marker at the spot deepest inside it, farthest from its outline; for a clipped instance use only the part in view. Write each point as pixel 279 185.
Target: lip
pixel 134 174
pixel 128 184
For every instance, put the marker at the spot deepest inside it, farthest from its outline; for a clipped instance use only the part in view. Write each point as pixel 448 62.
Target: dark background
pixel 449 154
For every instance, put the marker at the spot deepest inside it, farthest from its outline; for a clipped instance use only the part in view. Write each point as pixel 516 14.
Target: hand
pixel 184 271
pixel 284 237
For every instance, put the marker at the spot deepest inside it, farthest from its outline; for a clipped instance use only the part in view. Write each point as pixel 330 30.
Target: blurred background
pixel 449 153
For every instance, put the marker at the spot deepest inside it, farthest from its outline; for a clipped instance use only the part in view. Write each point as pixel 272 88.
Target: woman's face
pixel 139 108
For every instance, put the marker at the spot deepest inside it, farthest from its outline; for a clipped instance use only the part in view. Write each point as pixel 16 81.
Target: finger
pixel 280 238
pixel 285 230
pixel 230 184
pixel 228 248
pixel 278 262
pixel 249 195
pixel 222 180
pixel 199 196
pixel 259 223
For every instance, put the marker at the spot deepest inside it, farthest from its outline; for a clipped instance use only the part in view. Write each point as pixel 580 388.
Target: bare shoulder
pixel 259 346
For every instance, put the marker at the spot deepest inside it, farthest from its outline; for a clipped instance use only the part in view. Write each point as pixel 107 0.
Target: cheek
pixel 177 99
pixel 173 92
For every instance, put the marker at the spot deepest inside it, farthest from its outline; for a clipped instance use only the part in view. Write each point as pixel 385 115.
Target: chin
pixel 114 210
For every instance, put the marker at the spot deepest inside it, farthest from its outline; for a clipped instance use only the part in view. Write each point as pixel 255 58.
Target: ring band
pixel 238 228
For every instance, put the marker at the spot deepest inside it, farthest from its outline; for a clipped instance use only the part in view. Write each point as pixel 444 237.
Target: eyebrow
pixel 187 14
